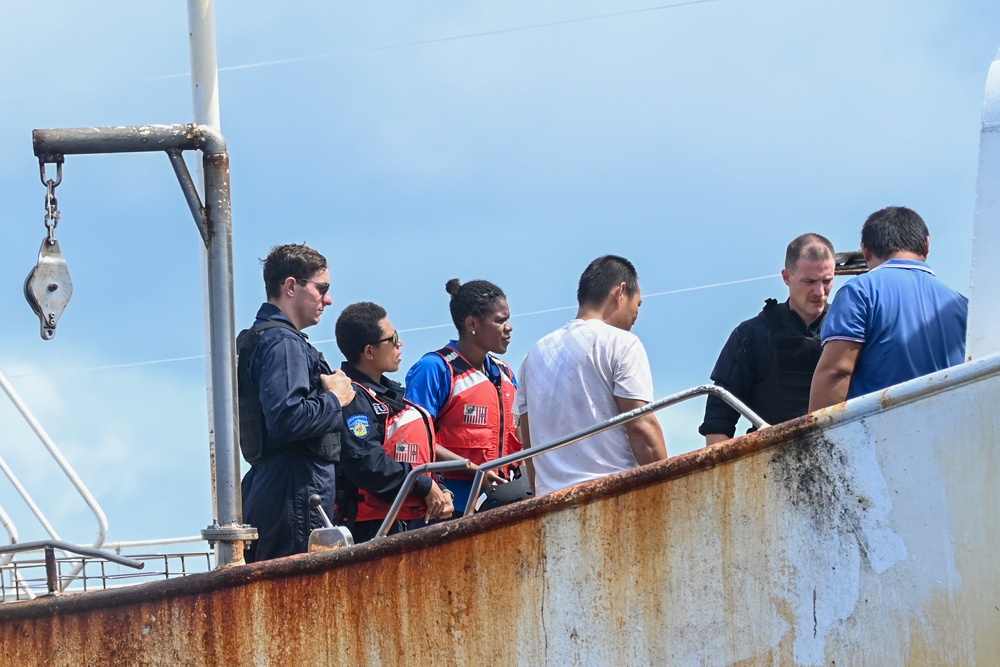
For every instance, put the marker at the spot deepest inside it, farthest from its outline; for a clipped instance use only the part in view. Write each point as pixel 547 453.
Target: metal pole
pixel 193 199
pixel 222 325
pixel 50 145
pixel 204 67
pixel 205 98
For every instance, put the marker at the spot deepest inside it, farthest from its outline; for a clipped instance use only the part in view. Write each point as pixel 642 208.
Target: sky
pixel 413 142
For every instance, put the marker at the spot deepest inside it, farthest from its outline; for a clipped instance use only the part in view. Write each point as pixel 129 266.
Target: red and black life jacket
pixel 408 438
pixel 477 422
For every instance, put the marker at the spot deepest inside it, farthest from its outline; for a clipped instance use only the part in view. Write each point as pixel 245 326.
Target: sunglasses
pixel 394 339
pixel 322 288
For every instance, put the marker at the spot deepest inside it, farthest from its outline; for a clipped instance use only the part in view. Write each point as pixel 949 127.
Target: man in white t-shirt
pixel 586 372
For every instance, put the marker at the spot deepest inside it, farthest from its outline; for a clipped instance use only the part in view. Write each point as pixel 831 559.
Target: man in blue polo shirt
pixel 893 324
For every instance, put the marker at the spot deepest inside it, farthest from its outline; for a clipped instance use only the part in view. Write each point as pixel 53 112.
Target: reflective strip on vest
pixel 477 422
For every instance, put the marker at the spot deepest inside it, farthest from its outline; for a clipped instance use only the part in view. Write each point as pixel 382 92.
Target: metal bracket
pixel 333 537
pixel 48 287
pixel 233 533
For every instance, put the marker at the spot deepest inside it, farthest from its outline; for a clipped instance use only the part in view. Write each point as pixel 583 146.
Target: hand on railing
pixel 439 503
pixel 411 477
pixel 490 477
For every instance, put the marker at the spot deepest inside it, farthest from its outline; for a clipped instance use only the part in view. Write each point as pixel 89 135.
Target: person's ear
pixel 288 286
pixel 470 324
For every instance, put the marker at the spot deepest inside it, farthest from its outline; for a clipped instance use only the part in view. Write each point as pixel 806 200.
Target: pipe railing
pixel 11 533
pixel 64 465
pixel 51 565
pixel 617 420
pixel 532 452
pixel 411 479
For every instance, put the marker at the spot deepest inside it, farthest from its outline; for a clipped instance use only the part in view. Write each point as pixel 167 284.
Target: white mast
pixel 984 297
pixel 204 64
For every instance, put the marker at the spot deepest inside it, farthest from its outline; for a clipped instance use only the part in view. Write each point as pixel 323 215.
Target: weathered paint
pixel 863 535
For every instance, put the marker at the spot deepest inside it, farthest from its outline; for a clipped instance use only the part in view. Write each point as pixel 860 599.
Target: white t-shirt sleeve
pixel 632 376
pixel 520 402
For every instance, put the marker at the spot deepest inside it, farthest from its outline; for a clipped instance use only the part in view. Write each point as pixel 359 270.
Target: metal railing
pixel 617 420
pixel 64 465
pixel 25 579
pixel 411 479
pixel 52 570
pixel 19 579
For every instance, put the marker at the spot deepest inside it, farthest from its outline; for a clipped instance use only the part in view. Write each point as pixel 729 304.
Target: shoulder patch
pixel 358 425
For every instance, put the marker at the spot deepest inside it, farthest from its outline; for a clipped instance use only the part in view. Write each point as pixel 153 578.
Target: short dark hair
pixel 604 274
pixel 810 247
pixel 357 327
pixel 476 298
pixel 290 261
pixel 894 229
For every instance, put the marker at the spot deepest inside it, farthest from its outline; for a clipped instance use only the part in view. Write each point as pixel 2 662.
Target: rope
pixel 410 330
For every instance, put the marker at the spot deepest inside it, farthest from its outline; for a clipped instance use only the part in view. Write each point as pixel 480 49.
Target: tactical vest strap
pixel 254 442
pixel 784 392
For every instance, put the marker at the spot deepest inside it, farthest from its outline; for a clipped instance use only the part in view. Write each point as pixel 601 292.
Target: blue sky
pixel 416 142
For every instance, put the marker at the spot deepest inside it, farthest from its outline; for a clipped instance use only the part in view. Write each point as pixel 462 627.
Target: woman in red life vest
pixel 469 392
pixel 384 435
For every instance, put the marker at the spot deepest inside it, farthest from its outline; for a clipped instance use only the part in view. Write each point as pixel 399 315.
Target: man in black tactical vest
pixel 290 406
pixel 768 361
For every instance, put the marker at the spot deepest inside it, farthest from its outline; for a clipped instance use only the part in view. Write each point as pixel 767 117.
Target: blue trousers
pixel 276 495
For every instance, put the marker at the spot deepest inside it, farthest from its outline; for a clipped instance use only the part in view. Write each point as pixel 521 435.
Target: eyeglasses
pixel 394 339
pixel 322 288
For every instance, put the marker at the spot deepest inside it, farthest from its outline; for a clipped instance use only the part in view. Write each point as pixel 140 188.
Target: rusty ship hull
pixel 864 534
